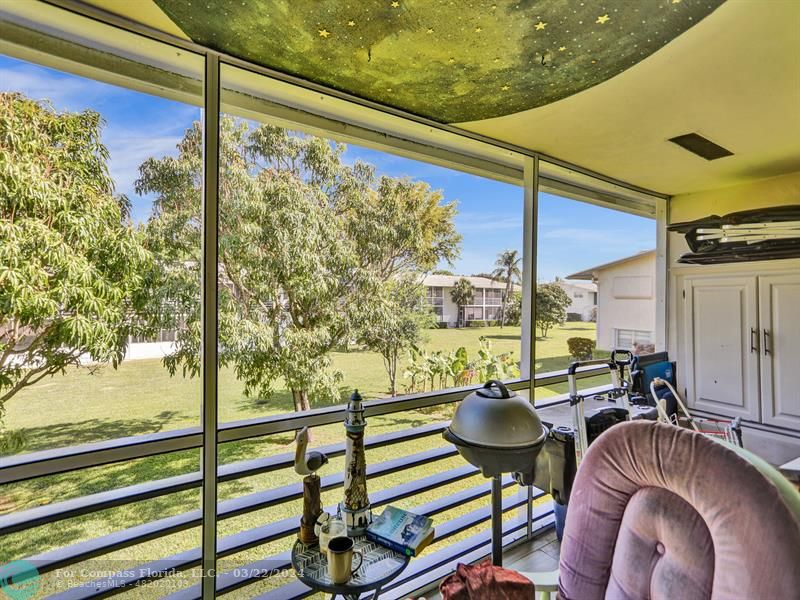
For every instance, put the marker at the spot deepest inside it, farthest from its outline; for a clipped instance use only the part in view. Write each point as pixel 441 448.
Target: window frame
pixel 372 125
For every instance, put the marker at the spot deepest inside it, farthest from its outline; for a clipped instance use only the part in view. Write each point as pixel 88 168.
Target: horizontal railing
pixel 62 460
pixel 43 463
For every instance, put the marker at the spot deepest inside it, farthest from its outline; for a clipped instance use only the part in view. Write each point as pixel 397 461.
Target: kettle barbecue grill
pixel 499 432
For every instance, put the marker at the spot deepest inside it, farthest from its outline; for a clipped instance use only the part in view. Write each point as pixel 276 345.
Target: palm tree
pixel 462 294
pixel 507 268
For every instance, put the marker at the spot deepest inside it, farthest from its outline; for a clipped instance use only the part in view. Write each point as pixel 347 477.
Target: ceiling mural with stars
pixel 448 60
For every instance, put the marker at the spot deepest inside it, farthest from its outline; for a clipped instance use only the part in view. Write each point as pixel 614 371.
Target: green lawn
pixel 140 397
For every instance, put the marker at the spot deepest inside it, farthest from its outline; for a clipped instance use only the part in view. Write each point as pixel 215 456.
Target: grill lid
pixel 496 417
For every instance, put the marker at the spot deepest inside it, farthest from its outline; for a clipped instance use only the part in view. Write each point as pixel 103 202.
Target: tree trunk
pixel 301 402
pixel 304 403
pixel 505 302
pixel 393 374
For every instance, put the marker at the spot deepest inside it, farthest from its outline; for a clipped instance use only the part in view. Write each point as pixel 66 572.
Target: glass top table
pixel 380 566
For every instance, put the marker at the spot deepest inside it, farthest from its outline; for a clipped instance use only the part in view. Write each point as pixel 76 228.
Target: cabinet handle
pixel 753 340
pixel 766 343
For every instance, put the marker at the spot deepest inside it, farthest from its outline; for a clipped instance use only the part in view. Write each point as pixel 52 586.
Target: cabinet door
pixel 779 310
pixel 721 343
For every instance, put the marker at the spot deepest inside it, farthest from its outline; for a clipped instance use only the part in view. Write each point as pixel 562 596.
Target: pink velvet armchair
pixel 659 512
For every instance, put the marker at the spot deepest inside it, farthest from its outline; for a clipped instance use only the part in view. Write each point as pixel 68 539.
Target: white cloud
pixel 129 150
pixel 65 92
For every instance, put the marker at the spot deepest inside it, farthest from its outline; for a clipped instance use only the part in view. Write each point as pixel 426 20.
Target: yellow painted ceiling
pixel 145 12
pixel 733 78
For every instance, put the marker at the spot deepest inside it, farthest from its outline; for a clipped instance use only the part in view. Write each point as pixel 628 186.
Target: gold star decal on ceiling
pixel 351 23
pixel 505 88
pixel 602 20
pixel 395 4
pixel 540 25
pixel 562 48
pixel 478 30
pixel 324 33
pixel 451 60
pixel 430 30
pixel 676 1
pixel 497 60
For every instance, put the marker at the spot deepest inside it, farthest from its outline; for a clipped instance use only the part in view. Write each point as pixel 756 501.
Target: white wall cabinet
pixel 741 343
pixel 779 319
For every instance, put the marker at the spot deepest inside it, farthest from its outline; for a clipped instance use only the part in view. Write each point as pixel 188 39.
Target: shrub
pixel 476 324
pixel 514 309
pixel 640 349
pixel 12 442
pixel 581 348
pixel 593 317
pixel 551 306
pixel 572 317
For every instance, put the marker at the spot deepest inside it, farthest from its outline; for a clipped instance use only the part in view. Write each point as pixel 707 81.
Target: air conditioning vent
pixel 702 147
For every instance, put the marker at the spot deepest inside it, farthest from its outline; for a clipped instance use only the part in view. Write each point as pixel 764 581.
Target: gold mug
pixel 340 559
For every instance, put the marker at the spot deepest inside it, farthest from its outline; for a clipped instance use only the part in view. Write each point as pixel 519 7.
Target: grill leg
pixel 497 521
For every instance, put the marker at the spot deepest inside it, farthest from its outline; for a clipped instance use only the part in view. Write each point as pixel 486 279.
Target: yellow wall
pixel 758 194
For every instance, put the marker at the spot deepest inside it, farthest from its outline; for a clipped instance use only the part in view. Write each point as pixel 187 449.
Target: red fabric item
pixel 486 582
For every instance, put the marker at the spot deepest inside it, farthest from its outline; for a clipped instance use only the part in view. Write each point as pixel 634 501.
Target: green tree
pixel 463 293
pixel 71 265
pixel 507 269
pixel 551 306
pixel 306 243
pixel 514 309
pixel 398 324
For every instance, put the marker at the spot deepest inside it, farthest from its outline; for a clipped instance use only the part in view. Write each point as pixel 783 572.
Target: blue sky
pixel 572 235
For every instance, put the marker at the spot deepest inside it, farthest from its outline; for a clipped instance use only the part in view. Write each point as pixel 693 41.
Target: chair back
pixel 661 512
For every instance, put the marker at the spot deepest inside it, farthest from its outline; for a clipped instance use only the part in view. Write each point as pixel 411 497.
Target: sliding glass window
pixel 596 270
pixel 100 180
pixel 344 266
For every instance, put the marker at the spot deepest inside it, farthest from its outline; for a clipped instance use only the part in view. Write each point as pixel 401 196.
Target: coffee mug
pixel 340 559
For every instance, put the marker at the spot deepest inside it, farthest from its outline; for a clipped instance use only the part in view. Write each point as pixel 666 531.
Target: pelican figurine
pixel 307 463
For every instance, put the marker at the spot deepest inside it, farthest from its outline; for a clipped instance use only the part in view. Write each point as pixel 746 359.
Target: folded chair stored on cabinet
pixel 659 512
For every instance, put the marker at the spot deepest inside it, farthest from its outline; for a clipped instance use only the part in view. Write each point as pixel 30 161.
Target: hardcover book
pixel 401 531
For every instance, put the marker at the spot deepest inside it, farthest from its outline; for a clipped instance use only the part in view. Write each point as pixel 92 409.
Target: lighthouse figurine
pixel 355 508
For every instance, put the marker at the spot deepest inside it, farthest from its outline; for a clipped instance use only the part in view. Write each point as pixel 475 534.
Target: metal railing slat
pixel 50 462
pixel 34 517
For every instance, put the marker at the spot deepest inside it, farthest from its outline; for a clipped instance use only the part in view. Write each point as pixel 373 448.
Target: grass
pixel 140 397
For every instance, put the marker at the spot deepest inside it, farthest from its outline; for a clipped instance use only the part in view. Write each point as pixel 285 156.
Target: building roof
pixel 590 272
pixel 450 281
pixel 590 286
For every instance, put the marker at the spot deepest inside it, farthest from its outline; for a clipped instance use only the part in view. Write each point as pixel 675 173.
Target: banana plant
pixel 416 369
pixel 460 369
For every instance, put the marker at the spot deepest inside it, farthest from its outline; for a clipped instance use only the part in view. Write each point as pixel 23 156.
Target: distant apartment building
pixel 583 297
pixel 486 304
pixel 626 301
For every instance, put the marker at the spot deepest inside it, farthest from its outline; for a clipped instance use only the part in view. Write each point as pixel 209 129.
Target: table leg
pixel 376 594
